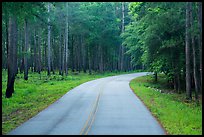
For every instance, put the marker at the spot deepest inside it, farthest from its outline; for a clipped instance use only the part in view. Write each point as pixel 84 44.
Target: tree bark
pixel 72 52
pixel 123 29
pixel 63 56
pixel 101 59
pixel 89 58
pixel 45 55
pixel 66 42
pixel 12 44
pixel 155 77
pixel 21 64
pixel 75 54
pixel 48 54
pixel 35 51
pixel 195 74
pixel 178 82
pixel 60 55
pixel 83 54
pixel 200 40
pixel 80 57
pixel 78 53
pixel 15 48
pixel 25 51
pixel 187 51
pixel 39 54
pixel 52 57
pixel 7 39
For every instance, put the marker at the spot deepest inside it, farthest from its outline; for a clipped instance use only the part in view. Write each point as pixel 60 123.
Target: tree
pixel 123 28
pixel 187 49
pixel 12 44
pixel 195 75
pixel 200 40
pixel 39 53
pixel 26 51
pixel 155 39
pixel 66 41
pixel 57 36
pixel 48 43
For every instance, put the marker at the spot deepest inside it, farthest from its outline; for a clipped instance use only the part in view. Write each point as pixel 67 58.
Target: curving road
pixel 102 106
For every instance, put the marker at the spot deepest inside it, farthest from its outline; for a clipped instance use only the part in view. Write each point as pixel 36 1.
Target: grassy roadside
pixel 176 116
pixel 37 93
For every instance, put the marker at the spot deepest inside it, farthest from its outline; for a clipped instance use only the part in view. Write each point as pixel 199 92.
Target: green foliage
pixel 156 65
pixel 22 10
pixel 155 36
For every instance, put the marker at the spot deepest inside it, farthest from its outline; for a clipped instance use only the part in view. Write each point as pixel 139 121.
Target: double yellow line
pixel 91 116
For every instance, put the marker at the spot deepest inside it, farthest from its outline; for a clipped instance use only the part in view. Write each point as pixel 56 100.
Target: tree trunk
pixel 83 49
pixel 12 44
pixel 15 49
pixel 187 49
pixel 66 42
pixel 101 59
pixel 60 55
pixel 63 57
pixel 78 53
pixel 39 54
pixel 200 39
pixel 7 39
pixel 21 64
pixel 75 54
pixel 35 51
pixel 175 84
pixel 52 57
pixel 72 53
pixel 194 54
pixel 45 55
pixel 89 58
pixel 25 51
pixel 80 57
pixel 178 82
pixel 65 53
pixel 123 29
pixel 155 77
pixel 48 53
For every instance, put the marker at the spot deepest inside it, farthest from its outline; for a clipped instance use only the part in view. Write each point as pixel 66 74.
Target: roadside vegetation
pixel 177 116
pixel 33 95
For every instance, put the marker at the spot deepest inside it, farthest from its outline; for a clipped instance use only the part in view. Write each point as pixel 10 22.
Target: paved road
pixel 103 106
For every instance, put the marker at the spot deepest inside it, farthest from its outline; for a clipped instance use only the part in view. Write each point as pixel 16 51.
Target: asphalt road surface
pixel 99 107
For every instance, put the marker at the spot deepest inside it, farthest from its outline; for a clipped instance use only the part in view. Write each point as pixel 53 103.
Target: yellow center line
pixel 92 115
pixel 86 127
pixel 89 117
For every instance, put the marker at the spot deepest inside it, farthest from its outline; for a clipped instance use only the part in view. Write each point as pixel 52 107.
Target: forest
pixel 57 36
pixel 65 38
pixel 90 36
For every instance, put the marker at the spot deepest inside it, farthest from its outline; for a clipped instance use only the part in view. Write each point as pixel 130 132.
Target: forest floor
pixel 176 115
pixel 37 93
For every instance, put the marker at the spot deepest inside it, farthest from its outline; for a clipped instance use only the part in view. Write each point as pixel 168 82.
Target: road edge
pixel 166 133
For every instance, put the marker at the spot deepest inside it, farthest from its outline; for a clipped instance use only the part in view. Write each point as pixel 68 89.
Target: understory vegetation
pixel 37 93
pixel 175 114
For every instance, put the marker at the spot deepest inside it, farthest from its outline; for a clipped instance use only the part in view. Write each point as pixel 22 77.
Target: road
pixel 103 106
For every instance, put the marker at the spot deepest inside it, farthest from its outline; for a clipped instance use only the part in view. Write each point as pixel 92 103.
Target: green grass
pixel 35 94
pixel 176 116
